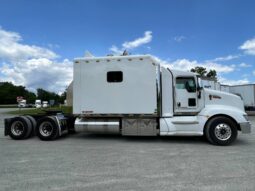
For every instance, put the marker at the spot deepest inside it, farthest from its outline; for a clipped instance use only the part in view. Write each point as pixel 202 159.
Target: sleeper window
pixel 114 76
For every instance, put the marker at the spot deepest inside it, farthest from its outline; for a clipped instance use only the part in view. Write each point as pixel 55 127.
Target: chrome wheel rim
pixel 223 131
pixel 17 128
pixel 46 129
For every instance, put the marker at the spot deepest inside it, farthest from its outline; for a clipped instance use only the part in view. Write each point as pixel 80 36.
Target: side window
pixel 114 76
pixel 187 83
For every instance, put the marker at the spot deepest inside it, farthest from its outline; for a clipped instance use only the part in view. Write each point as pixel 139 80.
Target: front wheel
pixel 221 131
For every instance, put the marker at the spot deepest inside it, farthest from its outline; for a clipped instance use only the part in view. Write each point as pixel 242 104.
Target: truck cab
pixel 200 111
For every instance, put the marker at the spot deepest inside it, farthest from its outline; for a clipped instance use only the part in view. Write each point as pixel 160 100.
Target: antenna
pixel 125 53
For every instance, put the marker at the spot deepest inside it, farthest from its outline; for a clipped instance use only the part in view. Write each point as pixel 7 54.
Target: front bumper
pixel 245 127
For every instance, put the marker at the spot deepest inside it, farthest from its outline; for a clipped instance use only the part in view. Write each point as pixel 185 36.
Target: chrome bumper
pixel 245 127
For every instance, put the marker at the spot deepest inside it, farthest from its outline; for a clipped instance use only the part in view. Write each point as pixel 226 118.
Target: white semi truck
pixel 38 103
pixel 135 96
pixel 22 103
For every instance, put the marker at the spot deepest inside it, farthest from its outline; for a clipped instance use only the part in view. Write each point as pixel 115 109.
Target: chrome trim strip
pixel 181 133
pixel 185 122
pixel 113 115
pixel 96 123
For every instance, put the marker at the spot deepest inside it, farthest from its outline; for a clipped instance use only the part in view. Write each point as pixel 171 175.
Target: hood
pixel 214 97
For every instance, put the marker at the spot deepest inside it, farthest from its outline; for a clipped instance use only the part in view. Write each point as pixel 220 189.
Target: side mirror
pixel 199 88
pixel 199 92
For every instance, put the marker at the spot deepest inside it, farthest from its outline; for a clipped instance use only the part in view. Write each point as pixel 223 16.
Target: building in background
pixel 224 88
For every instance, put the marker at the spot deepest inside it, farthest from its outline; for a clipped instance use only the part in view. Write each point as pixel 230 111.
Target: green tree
pixel 200 70
pixel 45 95
pixel 9 93
pixel 63 96
pixel 212 74
pixel 30 97
pixel 203 72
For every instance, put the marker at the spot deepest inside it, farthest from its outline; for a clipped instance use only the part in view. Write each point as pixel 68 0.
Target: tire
pixel 47 128
pixel 20 128
pixel 221 131
pixel 33 121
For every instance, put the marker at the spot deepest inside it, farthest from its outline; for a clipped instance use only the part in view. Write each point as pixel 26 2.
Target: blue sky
pixel 217 34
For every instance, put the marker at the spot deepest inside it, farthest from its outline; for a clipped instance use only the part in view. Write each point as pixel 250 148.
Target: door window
pixel 187 83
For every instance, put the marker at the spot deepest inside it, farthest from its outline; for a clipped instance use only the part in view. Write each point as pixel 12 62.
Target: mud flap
pixel 7 126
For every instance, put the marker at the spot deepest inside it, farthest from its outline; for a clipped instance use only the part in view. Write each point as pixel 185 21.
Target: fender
pixel 233 112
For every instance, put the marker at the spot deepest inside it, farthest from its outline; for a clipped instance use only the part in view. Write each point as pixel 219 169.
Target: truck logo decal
pixel 87 112
pixel 214 97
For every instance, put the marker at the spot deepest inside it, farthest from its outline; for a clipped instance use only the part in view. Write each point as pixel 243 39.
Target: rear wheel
pixel 33 122
pixel 47 128
pixel 20 128
pixel 221 131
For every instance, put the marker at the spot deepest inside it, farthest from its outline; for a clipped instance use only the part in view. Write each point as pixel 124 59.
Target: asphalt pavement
pixel 99 162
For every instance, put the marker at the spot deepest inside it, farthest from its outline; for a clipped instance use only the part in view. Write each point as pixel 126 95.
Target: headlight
pixel 246 117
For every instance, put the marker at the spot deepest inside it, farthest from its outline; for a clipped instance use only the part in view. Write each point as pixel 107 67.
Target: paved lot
pixel 92 162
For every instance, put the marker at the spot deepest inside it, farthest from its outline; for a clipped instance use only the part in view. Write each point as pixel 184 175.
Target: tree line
pixel 9 93
pixel 204 73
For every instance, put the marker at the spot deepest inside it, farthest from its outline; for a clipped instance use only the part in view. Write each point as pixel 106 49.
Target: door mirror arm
pixel 199 94
pixel 199 89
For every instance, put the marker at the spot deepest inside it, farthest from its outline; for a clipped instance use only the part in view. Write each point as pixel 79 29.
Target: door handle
pixel 178 104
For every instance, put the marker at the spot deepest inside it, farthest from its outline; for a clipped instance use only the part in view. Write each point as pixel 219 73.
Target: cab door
pixel 186 99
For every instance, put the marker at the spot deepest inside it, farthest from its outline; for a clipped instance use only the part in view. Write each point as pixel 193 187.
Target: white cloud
pixel 233 82
pixel 116 50
pixel 133 44
pixel 39 73
pixel 53 46
pixel 186 65
pixel 244 65
pixel 139 41
pixel 32 66
pixel 179 38
pixel 11 48
pixel 248 46
pixel 224 58
pixel 148 48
